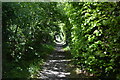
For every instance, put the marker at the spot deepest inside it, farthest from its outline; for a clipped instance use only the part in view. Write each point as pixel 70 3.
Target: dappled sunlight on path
pixel 56 66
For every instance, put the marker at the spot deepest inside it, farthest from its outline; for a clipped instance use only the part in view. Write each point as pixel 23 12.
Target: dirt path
pixel 56 66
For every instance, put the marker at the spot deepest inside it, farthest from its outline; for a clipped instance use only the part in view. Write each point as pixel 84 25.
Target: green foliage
pixel 91 30
pixel 94 36
pixel 28 30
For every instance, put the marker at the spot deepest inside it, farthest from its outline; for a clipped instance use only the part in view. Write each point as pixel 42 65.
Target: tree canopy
pixel 90 29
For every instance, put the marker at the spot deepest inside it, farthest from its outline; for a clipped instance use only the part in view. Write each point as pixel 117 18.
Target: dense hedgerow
pixel 95 36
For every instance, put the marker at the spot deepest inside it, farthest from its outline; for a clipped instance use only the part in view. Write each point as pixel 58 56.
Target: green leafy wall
pixel 95 36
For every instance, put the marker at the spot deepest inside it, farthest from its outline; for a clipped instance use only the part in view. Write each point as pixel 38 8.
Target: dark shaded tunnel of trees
pixel 91 30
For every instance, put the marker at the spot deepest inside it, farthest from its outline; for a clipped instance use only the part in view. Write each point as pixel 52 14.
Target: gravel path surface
pixel 56 67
